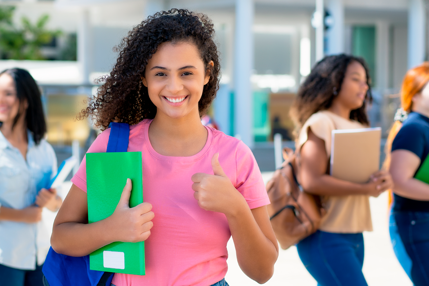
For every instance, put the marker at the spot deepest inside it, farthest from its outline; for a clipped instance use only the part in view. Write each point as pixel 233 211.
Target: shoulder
pixel 100 143
pixel 139 127
pixel 222 141
pixel 320 123
pixel 413 128
pixel 320 120
pixel 45 148
pixel 413 136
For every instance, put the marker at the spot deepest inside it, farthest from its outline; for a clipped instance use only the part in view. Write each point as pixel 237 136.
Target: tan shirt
pixel 344 214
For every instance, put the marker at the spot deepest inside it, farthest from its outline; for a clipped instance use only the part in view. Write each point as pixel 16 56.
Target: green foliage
pixel 23 43
pixel 69 52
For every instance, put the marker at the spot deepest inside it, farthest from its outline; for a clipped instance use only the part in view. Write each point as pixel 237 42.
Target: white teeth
pixel 175 100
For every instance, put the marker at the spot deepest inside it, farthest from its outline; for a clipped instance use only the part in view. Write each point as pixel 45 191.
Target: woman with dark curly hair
pixel 200 186
pixel 334 96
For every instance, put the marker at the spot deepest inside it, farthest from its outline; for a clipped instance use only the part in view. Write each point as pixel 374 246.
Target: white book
pixel 355 154
pixel 63 171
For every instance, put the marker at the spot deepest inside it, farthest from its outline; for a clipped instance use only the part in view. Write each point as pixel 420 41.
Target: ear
pixel 25 104
pixel 208 72
pixel 144 81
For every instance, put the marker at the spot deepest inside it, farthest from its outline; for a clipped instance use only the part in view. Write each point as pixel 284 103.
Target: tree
pixel 23 43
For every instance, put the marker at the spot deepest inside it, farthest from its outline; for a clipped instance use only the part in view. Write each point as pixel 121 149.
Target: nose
pixel 174 84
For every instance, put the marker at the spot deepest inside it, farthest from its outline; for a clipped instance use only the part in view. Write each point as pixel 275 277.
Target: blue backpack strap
pixel 119 137
pixel 63 270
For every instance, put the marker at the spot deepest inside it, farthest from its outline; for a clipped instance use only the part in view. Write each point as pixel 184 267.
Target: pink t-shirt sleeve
pixel 98 146
pixel 249 179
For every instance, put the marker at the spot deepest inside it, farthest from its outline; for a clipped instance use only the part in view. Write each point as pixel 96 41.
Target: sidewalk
pixel 380 267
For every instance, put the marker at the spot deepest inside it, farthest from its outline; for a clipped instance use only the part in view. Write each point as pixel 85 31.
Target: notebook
pixel 355 154
pixel 107 174
pixel 423 172
pixel 63 171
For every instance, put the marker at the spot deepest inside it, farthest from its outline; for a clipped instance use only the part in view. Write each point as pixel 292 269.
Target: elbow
pixel 55 244
pixel 310 186
pixel 264 276
pixel 397 186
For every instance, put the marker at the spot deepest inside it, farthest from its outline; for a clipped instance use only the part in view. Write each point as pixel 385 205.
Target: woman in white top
pixel 27 163
pixel 334 96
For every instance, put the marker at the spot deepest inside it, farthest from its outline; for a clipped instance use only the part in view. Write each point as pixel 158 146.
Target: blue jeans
pixel 17 277
pixel 413 228
pixel 334 259
pixel 398 246
pixel 220 283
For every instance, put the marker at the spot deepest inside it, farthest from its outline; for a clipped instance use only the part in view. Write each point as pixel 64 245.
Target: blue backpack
pixel 63 270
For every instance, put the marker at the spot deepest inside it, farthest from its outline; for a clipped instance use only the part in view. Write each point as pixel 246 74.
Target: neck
pixel 340 110
pixel 178 129
pixel 422 111
pixel 17 134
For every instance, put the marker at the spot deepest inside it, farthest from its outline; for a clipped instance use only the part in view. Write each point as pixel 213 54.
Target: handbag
pixel 64 270
pixel 294 214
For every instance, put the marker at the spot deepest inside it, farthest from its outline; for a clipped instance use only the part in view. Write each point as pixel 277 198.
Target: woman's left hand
pixel 216 192
pixel 47 198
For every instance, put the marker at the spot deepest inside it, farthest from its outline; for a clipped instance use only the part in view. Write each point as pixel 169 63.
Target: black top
pixel 414 137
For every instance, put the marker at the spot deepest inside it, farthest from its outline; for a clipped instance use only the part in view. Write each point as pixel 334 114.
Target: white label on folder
pixel 113 259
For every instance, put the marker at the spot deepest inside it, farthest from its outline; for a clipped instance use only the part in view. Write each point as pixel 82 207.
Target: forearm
pixel 256 254
pixel 10 214
pixel 79 239
pixel 330 186
pixel 412 189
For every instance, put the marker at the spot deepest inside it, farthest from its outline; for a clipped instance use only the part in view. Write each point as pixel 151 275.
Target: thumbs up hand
pixel 130 224
pixel 216 192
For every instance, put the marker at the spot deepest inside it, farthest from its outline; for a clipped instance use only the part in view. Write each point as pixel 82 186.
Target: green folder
pixel 107 175
pixel 423 172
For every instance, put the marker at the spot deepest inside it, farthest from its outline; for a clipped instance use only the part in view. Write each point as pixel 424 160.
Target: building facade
pixel 267 48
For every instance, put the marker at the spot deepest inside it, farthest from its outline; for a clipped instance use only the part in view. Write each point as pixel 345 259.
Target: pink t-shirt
pixel 187 245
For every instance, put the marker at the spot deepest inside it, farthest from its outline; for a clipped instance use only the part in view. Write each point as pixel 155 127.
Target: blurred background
pixel 267 49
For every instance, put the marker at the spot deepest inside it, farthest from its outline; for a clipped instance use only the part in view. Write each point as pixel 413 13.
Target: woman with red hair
pixel 409 142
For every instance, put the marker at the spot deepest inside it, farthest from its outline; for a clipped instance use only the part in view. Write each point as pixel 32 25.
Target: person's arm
pixel 403 166
pixel 314 180
pixel 254 239
pixel 31 214
pixel 255 242
pixel 73 236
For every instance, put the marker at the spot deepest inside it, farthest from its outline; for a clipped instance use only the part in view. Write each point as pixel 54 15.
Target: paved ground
pixel 380 267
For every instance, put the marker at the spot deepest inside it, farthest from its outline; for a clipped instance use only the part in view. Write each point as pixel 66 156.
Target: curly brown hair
pixel 122 98
pixel 317 91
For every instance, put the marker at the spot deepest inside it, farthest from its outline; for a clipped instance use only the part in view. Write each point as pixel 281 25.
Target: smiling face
pixel 175 77
pixel 354 87
pixel 9 102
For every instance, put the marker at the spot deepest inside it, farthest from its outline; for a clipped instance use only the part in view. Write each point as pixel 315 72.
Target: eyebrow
pixel 164 68
pixel 355 73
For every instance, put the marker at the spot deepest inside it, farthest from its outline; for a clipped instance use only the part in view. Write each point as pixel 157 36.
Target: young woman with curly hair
pixel 407 148
pixel 200 185
pixel 334 96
